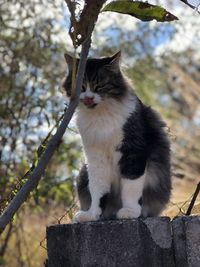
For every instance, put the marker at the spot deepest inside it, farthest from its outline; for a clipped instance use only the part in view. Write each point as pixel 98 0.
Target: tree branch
pixel 6 240
pixel 35 176
pixel 80 29
pixel 192 5
pixel 193 200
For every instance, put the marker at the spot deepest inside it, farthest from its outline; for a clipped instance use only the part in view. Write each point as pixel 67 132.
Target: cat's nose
pixel 88 100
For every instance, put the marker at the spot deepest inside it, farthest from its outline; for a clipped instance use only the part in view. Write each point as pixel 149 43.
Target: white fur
pixel 131 191
pixel 101 132
pixel 96 98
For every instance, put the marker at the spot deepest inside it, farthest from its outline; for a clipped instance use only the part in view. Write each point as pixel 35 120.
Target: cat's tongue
pixel 88 101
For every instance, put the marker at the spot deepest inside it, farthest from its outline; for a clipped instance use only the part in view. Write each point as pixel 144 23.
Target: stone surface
pixel 186 237
pixel 122 243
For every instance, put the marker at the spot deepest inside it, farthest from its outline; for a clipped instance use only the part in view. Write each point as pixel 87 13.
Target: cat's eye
pixel 99 89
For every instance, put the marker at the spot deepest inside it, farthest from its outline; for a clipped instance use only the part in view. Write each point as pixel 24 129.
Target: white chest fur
pixel 101 131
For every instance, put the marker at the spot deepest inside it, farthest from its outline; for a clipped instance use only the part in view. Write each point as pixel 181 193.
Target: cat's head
pixel 102 80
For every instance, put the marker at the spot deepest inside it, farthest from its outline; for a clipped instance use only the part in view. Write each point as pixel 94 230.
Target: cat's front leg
pixel 92 214
pixel 99 185
pixel 131 192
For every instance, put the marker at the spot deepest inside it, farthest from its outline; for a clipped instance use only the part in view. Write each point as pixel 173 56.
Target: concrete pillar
pixel 186 237
pixel 120 243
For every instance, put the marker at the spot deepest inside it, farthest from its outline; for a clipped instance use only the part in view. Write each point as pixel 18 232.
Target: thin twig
pixel 195 7
pixel 6 240
pixel 193 200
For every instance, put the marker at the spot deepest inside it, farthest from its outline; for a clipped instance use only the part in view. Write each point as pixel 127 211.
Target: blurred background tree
pixel 31 102
pixel 161 59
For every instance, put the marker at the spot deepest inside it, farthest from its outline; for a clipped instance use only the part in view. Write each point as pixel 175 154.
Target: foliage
pixel 30 77
pixel 29 81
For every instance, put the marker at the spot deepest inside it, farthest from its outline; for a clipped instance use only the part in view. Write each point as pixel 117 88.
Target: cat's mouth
pixel 89 102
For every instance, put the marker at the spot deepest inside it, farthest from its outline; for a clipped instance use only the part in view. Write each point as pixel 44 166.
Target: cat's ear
pixel 115 61
pixel 69 59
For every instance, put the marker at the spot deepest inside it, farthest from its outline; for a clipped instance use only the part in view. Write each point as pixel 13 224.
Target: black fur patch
pixel 140 201
pixel 83 190
pixel 134 147
pixel 104 200
pixel 144 139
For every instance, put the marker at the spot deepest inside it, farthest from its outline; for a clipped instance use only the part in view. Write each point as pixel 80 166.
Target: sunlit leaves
pixel 30 73
pixel 140 10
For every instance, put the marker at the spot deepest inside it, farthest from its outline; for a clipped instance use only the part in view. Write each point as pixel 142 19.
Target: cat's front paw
pixel 128 213
pixel 85 216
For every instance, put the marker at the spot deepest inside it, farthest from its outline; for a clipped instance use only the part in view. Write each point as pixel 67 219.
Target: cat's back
pixel 155 127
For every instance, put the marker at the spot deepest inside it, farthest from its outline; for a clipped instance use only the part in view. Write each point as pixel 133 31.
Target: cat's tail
pixel 157 188
pixel 156 192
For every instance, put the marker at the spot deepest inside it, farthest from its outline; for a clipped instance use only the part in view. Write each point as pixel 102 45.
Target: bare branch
pixel 80 29
pixel 6 240
pixel 193 199
pixel 195 4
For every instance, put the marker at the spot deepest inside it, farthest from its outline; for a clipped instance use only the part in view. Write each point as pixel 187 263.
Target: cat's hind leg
pixel 131 193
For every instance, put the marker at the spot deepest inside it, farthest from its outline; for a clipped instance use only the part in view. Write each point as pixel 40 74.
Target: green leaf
pixel 140 10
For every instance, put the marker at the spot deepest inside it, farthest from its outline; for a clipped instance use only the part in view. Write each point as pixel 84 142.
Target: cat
pixel 127 150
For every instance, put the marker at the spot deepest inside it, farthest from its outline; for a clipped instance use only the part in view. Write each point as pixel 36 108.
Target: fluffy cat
pixel 127 151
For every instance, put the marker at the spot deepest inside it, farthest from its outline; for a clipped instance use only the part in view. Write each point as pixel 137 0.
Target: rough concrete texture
pixel 122 243
pixel 186 237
